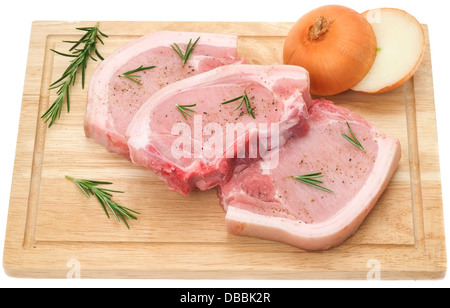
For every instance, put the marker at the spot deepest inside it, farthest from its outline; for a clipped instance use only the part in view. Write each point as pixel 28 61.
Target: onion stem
pixel 320 27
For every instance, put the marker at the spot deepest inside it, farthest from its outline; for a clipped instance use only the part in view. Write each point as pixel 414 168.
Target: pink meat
pixel 278 207
pixel 193 152
pixel 113 100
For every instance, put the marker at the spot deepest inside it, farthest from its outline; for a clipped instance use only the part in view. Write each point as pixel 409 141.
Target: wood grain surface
pixel 53 228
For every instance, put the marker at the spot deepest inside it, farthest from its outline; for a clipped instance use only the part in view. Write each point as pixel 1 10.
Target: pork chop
pixel 349 180
pixel 113 99
pixel 193 132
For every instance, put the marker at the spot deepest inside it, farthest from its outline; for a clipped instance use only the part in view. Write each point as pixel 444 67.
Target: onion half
pixel 401 46
pixel 337 46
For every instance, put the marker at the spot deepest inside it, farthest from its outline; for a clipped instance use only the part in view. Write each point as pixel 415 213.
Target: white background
pixel 16 18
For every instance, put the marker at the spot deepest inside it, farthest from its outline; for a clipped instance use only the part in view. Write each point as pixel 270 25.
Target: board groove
pixel 414 163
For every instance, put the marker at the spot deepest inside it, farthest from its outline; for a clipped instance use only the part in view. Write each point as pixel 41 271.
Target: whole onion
pixel 336 44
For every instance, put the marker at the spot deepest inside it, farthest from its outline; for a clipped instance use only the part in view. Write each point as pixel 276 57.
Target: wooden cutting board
pixel 54 231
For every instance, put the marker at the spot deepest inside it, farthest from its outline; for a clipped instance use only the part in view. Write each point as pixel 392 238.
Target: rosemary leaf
pixel 79 62
pixel 104 196
pixel 235 99
pixel 184 110
pixel 244 99
pixel 130 75
pixel 188 52
pixel 310 179
pixel 353 140
pixel 64 54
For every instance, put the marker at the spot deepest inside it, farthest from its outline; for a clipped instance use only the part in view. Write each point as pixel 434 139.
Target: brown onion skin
pixel 340 57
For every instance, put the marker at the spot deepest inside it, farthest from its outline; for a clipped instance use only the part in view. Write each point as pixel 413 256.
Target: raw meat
pixel 189 151
pixel 113 100
pixel 278 207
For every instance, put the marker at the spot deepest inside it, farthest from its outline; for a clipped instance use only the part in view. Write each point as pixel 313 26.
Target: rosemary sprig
pixel 189 48
pixel 310 179
pixel 130 75
pixel 353 141
pixel 244 99
pixel 184 110
pixel 80 57
pixel 103 196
